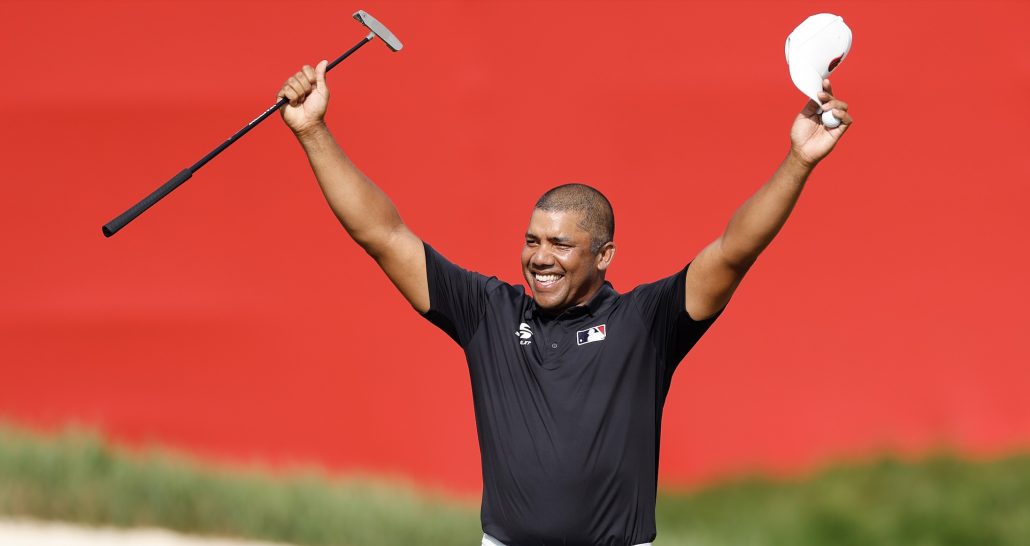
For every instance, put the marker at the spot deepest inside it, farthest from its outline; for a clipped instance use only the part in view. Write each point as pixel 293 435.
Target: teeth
pixel 546 278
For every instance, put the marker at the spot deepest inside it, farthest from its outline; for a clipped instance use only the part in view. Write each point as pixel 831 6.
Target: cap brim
pixel 806 78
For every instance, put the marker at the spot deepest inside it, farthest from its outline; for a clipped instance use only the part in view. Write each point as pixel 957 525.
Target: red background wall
pixel 236 319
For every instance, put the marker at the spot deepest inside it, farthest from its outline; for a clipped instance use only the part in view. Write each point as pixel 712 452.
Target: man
pixel 569 384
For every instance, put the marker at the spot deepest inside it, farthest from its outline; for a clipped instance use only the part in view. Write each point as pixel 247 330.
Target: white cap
pixel 814 49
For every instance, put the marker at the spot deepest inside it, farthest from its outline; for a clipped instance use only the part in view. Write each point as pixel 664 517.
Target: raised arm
pixel 718 269
pixel 362 208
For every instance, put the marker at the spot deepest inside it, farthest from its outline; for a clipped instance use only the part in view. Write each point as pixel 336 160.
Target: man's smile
pixel 546 280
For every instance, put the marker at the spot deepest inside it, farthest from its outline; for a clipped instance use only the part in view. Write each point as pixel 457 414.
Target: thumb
pixel 320 74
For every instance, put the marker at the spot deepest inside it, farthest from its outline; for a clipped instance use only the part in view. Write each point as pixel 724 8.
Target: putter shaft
pixel 124 218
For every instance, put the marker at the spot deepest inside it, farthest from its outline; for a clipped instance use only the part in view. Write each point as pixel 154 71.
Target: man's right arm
pixel 363 209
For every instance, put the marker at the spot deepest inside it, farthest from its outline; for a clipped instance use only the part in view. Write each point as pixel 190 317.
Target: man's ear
pixel 606 255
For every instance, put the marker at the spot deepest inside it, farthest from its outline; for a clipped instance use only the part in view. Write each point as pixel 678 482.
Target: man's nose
pixel 542 257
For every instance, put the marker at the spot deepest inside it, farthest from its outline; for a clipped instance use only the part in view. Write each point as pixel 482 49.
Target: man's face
pixel 557 262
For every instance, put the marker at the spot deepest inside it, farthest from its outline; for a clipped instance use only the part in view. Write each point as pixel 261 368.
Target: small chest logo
pixel 590 335
pixel 525 334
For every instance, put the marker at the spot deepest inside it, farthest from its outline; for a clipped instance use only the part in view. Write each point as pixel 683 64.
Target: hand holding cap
pixel 814 49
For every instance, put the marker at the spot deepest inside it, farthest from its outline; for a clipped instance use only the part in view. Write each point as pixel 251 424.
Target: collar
pixel 604 295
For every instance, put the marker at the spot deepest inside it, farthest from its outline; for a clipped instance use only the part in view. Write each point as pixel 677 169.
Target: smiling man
pixel 569 245
pixel 569 383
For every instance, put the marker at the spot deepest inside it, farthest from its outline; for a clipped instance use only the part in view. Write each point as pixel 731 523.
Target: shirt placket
pixel 555 342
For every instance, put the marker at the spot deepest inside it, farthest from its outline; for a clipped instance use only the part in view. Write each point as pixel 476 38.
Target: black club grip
pixel 124 218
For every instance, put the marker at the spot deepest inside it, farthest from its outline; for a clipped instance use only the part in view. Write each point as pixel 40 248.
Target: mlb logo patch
pixel 590 335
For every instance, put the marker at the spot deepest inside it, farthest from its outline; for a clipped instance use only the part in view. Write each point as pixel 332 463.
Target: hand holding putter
pixel 814 49
pixel 376 29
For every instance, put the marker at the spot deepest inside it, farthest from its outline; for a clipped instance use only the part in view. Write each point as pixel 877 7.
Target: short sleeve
pixel 457 297
pixel 662 305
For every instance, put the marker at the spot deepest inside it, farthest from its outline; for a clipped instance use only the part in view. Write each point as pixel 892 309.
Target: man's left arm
pixel 717 270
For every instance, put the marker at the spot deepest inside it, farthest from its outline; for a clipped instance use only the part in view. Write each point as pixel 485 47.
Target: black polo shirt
pixel 568 408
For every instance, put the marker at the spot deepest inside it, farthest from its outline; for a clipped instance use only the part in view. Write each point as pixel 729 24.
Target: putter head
pixel 814 49
pixel 378 29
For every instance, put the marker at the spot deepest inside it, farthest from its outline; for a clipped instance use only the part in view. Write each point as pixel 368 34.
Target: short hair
pixel 598 217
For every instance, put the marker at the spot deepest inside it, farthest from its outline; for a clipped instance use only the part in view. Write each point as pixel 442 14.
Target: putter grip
pixel 124 218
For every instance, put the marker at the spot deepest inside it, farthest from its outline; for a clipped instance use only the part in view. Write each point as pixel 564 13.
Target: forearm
pixel 755 224
pixel 362 208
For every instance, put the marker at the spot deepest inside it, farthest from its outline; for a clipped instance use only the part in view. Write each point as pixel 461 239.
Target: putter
pixel 376 29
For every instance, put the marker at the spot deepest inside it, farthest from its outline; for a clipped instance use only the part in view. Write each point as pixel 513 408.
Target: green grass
pixel 942 500
pixel 75 476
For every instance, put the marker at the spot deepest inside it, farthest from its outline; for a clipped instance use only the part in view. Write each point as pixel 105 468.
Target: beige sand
pixel 26 532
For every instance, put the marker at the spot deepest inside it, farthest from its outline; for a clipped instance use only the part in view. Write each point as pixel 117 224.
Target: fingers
pixel 842 115
pixel 299 86
pixel 320 75
pixel 839 109
pixel 828 102
pixel 831 104
pixel 293 91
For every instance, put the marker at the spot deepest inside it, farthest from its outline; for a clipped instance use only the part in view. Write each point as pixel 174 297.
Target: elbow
pixel 741 265
pixel 739 258
pixel 377 242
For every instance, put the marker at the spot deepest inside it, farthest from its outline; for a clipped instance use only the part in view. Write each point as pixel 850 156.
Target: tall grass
pixel 938 501
pixel 76 476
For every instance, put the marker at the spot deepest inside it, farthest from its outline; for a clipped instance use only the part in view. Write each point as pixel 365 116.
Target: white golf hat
pixel 814 49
